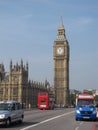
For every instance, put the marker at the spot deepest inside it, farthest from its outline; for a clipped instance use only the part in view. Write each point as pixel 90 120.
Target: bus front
pixel 43 100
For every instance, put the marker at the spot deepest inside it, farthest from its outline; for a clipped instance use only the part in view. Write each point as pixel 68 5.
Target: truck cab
pixel 85 107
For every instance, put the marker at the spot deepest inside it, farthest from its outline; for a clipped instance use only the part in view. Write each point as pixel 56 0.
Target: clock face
pixel 60 50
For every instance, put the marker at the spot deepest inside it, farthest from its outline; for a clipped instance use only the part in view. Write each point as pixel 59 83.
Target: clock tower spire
pixel 61 66
pixel 61 31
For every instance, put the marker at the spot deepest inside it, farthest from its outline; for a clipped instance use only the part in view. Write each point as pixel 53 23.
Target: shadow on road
pixel 88 120
pixel 18 125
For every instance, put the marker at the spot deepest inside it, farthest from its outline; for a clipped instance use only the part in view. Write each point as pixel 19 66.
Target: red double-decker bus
pixel 45 101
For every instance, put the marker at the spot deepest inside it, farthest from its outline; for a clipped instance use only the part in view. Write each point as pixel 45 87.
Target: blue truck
pixel 85 107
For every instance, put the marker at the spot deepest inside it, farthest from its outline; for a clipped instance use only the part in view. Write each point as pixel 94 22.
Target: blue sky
pixel 28 29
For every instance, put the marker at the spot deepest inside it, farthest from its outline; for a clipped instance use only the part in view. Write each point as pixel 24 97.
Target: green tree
pixel 72 98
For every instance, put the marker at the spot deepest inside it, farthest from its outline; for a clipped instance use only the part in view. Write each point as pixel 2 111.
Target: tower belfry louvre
pixel 61 66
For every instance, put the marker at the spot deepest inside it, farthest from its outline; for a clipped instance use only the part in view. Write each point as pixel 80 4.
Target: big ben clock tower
pixel 61 67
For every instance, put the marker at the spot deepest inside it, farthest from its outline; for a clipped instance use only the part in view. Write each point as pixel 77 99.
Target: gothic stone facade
pixel 61 67
pixel 15 85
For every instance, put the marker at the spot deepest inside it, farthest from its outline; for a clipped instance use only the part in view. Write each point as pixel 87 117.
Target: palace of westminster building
pixel 16 86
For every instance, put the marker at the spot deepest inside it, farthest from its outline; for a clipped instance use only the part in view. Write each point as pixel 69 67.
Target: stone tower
pixel 18 81
pixel 2 72
pixel 61 67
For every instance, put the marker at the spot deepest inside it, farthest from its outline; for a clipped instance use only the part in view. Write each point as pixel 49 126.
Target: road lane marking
pixel 79 126
pixel 42 122
pixel 81 123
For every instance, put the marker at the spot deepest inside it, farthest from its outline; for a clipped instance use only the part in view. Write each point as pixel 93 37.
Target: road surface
pixel 58 119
